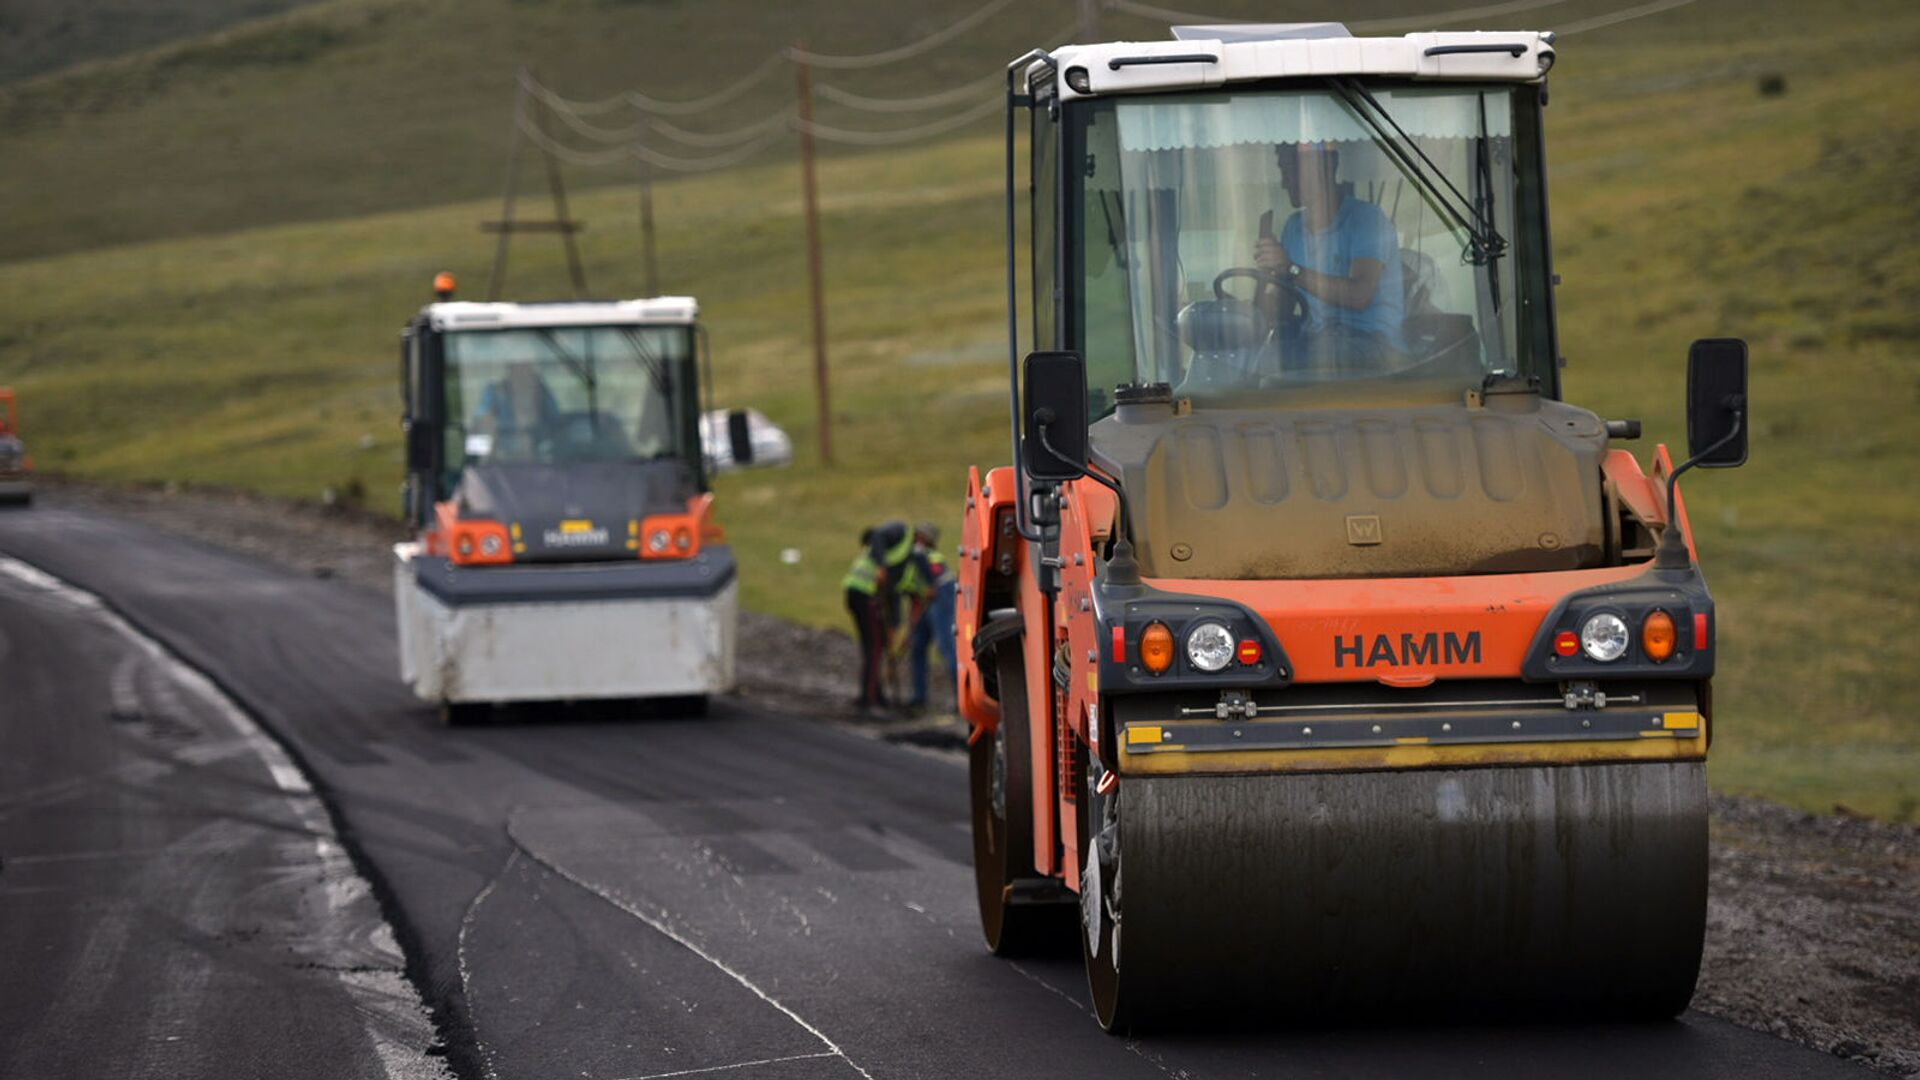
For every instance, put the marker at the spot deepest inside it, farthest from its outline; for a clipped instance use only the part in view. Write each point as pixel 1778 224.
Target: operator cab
pixel 544 415
pixel 1309 278
pixel 1252 238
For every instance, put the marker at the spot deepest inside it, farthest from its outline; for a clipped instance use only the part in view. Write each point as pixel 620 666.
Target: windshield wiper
pixel 654 365
pixel 1484 242
pixel 581 370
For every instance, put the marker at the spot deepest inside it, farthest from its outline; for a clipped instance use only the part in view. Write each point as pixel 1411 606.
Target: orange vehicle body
pixel 1506 611
pixel 460 540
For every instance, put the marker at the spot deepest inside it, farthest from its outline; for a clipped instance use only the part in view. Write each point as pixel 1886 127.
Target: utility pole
pixel 803 88
pixel 646 229
pixel 508 224
pixel 499 275
pixel 564 221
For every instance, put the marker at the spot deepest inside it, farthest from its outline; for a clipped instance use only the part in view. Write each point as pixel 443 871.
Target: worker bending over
pixel 871 585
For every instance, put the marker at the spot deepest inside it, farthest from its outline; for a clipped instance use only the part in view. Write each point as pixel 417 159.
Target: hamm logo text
pixel 1409 649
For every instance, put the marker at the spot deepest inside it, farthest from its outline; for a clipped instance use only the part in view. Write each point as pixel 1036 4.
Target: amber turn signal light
pixel 1156 648
pixel 1657 636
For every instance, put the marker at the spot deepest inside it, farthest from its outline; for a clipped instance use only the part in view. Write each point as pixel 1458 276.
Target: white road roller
pixel 566 548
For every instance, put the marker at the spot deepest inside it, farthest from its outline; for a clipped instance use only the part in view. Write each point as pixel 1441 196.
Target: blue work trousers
pixel 934 629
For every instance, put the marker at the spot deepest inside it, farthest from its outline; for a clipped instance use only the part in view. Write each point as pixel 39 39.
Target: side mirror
pixel 1055 403
pixel 739 438
pixel 1717 403
pixel 422 440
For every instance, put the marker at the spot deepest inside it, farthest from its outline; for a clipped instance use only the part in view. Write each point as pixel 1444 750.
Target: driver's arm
pixel 1353 292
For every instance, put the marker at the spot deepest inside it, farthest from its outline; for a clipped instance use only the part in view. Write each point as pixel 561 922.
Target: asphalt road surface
pixel 644 896
pixel 173 900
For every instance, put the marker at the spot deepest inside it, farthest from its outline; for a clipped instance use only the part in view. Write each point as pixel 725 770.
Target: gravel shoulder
pixel 1813 929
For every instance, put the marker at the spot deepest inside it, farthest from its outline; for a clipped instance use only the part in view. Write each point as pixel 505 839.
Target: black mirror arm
pixel 1672 553
pixel 1121 567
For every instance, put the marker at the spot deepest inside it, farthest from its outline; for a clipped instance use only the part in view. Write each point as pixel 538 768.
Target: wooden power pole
pixel 509 224
pixel 646 230
pixel 803 87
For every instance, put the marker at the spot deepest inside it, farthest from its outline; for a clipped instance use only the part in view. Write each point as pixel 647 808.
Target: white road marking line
pixel 735 1065
pixel 460 958
pixel 1133 1045
pixel 384 1012
pixel 659 923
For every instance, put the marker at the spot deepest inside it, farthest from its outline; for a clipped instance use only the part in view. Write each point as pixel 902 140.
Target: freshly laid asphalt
pixel 173 900
pixel 742 894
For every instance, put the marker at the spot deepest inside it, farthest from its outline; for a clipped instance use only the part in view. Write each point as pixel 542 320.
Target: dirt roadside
pixel 1813 926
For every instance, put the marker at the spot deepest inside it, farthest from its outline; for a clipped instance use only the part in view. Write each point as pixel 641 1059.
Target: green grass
pixel 39 36
pixel 1686 204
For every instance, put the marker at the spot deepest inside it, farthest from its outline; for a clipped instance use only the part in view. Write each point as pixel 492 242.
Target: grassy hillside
pixel 38 36
pixel 349 107
pixel 1686 204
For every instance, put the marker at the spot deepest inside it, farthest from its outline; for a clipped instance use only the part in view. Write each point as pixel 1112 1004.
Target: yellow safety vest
pixel 863 576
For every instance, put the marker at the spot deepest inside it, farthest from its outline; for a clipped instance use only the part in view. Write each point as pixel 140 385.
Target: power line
pixel 1440 18
pixel 712 140
pixel 969 92
pixel 634 99
pixel 1624 15
pixel 903 135
pixel 1418 22
pixel 904 52
pixel 637 132
pixel 613 155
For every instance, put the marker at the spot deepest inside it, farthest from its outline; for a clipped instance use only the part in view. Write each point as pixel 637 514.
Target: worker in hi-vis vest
pixel 869 585
pixel 928 585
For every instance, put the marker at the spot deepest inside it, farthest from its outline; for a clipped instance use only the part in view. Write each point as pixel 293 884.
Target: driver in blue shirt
pixel 1343 258
pixel 518 411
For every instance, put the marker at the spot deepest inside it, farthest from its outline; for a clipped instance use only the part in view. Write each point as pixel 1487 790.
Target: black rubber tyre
pixel 1003 822
pixel 686 707
pixel 458 714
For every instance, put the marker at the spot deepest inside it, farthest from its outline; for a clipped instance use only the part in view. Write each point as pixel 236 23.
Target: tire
pixel 688 707
pixel 459 714
pixel 1003 821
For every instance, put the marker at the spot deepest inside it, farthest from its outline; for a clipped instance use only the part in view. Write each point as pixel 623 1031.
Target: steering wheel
pixel 1291 308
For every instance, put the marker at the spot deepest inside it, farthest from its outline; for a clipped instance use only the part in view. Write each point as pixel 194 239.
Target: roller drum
pixel 1512 888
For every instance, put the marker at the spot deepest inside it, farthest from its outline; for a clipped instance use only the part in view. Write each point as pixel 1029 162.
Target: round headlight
pixel 1209 646
pixel 490 544
pixel 658 540
pixel 1604 637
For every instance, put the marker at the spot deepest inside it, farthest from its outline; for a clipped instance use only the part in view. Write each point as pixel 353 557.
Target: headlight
pixel 658 540
pixel 490 545
pixel 1604 637
pixel 1210 646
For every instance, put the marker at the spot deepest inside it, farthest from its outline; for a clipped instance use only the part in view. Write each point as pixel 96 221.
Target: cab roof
pixel 1207 56
pixel 654 311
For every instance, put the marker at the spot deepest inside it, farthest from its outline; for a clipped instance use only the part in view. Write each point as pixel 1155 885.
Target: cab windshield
pixel 1268 243
pixel 551 395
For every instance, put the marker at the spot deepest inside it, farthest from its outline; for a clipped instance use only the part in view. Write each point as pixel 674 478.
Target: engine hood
pixel 1509 486
pixel 574 511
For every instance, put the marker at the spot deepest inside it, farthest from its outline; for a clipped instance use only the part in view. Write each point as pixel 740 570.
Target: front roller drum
pixel 1566 889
